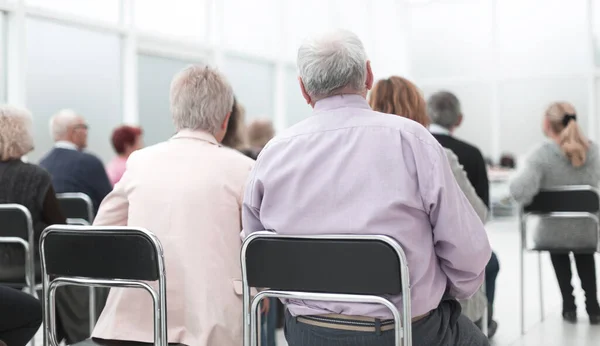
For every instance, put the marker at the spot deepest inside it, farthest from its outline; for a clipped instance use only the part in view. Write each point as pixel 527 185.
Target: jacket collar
pixel 196 134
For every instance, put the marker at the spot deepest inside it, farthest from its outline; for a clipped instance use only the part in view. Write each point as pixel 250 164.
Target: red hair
pixel 124 135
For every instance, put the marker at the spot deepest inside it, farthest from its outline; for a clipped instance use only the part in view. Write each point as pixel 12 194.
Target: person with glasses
pixel 72 169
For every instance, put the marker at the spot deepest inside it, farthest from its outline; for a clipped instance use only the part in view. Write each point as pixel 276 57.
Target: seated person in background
pixel 568 158
pixel 235 137
pixel 31 186
pixel 507 161
pixel 446 116
pixel 188 191
pixel 125 140
pixel 73 170
pixel 260 132
pixel 350 170
pixel 399 96
pixel 20 317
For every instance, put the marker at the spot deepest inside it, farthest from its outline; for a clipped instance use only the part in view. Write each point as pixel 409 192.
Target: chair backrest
pixel 575 198
pixel 101 253
pixel 76 205
pixel 345 264
pixel 15 221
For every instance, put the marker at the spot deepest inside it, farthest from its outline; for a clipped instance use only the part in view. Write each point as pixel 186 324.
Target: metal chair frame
pixel 159 298
pixel 402 321
pixel 83 222
pixel 28 245
pixel 523 216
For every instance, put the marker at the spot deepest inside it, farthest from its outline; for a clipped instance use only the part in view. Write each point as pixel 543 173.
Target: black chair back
pixel 15 221
pixel 324 265
pixel 100 253
pixel 565 199
pixel 76 205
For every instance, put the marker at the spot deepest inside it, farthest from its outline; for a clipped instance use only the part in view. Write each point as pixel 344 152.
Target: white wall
pixel 507 60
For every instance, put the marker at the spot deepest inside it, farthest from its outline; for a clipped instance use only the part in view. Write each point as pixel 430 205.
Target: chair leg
pixel 541 285
pixel 92 302
pixel 484 319
pixel 522 291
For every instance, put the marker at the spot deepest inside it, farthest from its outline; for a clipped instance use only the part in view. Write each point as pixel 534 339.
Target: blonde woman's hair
pixel 15 133
pixel 563 122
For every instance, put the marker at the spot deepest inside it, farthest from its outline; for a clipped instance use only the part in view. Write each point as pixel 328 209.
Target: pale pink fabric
pixel 115 169
pixel 187 191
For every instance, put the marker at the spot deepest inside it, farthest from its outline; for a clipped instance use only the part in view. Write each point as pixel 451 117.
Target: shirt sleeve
pixel 114 209
pixel 465 186
pixel 526 184
pixel 459 238
pixel 251 206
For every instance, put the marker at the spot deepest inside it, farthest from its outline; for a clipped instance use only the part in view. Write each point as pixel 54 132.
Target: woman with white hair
pixel 187 191
pixel 30 186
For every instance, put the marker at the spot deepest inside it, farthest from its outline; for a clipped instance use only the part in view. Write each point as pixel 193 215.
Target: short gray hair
pixel 60 123
pixel 15 132
pixel 331 62
pixel 443 109
pixel 201 98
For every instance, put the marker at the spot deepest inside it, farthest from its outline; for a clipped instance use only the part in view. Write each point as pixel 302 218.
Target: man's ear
pixel 370 78
pixel 304 93
pixel 459 121
pixel 225 122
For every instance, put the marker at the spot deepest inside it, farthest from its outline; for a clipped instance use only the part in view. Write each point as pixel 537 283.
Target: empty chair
pixel 105 257
pixel 17 239
pixel 325 268
pixel 77 207
pixel 576 202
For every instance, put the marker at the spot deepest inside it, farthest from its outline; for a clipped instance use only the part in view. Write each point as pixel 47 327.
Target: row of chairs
pixel 269 260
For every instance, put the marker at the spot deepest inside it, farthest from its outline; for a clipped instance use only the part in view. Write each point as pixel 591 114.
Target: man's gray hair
pixel 201 98
pixel 60 123
pixel 443 109
pixel 332 62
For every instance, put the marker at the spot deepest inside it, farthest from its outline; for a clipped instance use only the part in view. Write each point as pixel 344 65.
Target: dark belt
pixel 353 323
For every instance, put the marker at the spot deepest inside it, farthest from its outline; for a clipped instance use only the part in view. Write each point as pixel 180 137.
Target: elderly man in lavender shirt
pixel 350 170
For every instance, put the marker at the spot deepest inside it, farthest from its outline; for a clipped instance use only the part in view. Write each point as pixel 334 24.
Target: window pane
pixel 596 30
pixel 475 100
pixel 449 38
pixel 154 82
pixel 556 28
pixel 249 25
pixel 105 10
pixel 185 19
pixel 296 108
pixel 304 19
pixel 2 58
pixel 354 15
pixel 252 83
pixel 78 69
pixel 522 106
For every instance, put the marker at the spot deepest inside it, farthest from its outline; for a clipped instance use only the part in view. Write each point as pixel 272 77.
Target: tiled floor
pixel 552 332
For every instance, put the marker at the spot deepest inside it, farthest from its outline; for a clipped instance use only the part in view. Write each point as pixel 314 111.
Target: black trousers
pixel 586 268
pixel 20 316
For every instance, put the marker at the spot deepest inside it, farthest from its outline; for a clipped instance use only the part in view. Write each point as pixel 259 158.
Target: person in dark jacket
pixel 31 186
pixel 72 169
pixel 446 116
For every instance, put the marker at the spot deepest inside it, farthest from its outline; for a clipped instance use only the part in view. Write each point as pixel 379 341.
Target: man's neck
pixel 343 91
pixel 439 130
pixel 63 144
